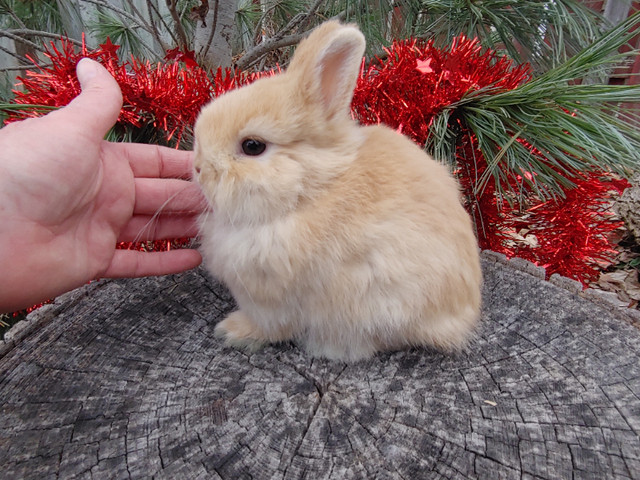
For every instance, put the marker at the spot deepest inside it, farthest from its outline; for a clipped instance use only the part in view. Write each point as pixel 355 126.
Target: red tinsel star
pixel 188 57
pixel 423 66
pixel 110 48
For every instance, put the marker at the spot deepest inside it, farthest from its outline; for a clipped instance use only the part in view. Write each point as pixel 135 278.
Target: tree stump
pixel 126 380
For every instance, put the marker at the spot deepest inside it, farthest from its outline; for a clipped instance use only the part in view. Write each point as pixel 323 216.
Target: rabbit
pixel 347 239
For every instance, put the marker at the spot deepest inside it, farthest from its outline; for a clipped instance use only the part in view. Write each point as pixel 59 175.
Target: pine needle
pixel 573 127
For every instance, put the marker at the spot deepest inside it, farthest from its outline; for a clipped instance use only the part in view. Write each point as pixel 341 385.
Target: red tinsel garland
pixel 572 236
pixel 406 90
pixel 167 96
pixel 416 81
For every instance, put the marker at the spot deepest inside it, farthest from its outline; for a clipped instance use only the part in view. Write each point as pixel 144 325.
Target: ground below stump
pixel 128 381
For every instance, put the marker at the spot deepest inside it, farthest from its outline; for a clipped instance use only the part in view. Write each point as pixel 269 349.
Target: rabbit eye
pixel 253 147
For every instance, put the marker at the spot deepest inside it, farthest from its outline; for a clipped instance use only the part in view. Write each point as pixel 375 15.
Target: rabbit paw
pixel 239 331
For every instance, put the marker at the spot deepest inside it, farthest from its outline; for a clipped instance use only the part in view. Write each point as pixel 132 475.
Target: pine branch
pixel 23 60
pixel 302 17
pixel 544 33
pixel 571 125
pixel 212 28
pixel 139 22
pixel 9 107
pixel 280 40
pixel 18 38
pixel 172 6
pixel 15 17
pixel 270 45
pixel 39 33
pixel 156 33
pixel 22 68
pixel 121 33
pixel 152 28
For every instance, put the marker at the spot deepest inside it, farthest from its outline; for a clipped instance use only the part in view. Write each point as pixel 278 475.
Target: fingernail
pixel 86 70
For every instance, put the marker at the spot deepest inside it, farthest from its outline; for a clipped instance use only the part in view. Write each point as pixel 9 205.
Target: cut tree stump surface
pixel 125 379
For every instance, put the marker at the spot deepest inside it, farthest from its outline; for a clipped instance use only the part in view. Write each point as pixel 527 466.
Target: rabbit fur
pixel 349 240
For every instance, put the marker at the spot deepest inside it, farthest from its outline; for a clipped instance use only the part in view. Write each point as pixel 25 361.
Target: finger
pixel 152 227
pixel 132 263
pixel 97 107
pixel 154 161
pixel 168 195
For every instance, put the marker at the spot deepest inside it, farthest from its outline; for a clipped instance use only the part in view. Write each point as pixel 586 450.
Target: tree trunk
pixel 213 40
pixel 125 379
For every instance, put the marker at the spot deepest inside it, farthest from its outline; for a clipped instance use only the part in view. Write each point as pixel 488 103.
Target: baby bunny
pixel 346 239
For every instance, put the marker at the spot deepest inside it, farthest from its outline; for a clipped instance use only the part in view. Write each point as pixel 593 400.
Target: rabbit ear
pixel 328 62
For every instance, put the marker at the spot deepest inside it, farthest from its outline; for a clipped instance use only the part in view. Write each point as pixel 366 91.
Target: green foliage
pixel 541 32
pixel 34 14
pixel 248 15
pixel 41 109
pixel 121 32
pixel 574 126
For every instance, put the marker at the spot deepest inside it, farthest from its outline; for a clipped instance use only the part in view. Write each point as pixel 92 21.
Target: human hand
pixel 67 197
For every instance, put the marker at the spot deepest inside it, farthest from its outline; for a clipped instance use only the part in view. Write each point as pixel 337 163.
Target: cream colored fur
pixel 347 239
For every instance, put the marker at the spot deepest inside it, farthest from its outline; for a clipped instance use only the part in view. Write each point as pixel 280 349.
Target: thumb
pixel 98 105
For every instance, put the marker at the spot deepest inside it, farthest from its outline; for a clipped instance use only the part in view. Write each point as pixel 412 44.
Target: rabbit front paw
pixel 239 331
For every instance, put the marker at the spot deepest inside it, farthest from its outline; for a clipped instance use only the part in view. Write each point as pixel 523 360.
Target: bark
pixel 124 379
pixel 213 39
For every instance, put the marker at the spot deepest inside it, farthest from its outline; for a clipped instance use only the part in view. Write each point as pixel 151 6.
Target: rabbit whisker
pixel 148 229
